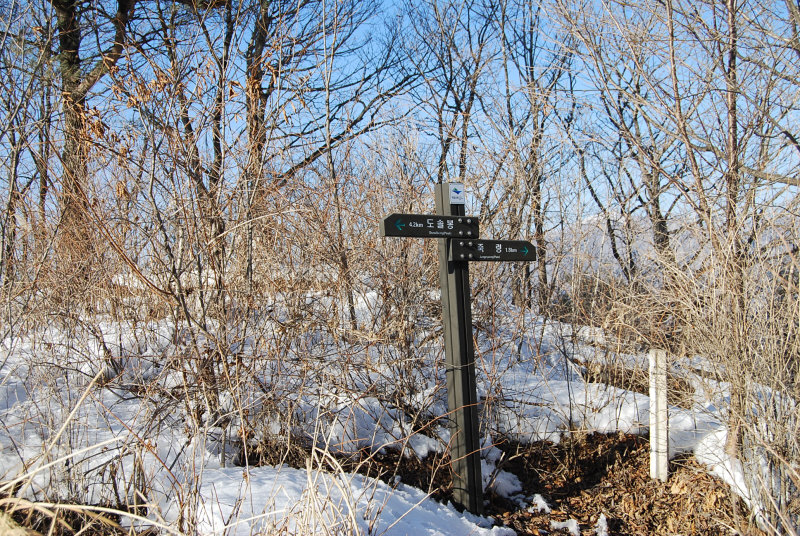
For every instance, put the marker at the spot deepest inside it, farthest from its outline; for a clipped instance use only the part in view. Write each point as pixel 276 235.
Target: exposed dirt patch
pixel 590 475
pixel 18 517
pixel 432 475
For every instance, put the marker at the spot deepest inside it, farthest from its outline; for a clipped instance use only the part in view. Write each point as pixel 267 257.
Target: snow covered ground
pixel 103 415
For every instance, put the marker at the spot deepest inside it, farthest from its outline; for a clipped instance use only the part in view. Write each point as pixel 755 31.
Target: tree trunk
pixel 10 227
pixel 541 246
pixel 255 102
pixel 735 258
pixel 75 241
pixel 75 244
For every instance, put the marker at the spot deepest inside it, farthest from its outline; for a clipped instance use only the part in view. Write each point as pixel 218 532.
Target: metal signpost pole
pixel 462 397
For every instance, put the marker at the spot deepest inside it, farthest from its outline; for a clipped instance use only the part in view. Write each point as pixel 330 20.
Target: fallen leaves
pixel 587 476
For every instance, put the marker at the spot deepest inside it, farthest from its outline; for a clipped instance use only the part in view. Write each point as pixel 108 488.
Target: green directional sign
pixel 429 226
pixel 491 250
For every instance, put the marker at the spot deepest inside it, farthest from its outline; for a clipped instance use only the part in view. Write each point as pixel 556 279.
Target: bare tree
pixel 25 54
pixel 699 94
pixel 290 57
pixel 640 141
pixel 81 68
pixel 535 65
pixel 452 49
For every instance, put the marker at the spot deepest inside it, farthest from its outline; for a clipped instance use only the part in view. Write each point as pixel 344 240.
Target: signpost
pixel 462 394
pixel 458 245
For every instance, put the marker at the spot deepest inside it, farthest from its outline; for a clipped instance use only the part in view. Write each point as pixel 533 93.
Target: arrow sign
pixel 491 250
pixel 429 226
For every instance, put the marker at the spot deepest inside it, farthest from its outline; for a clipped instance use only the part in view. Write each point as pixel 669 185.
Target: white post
pixel 659 416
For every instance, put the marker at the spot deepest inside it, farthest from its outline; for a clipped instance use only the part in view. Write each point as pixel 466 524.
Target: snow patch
pixel 276 499
pixel 570 525
pixel 539 505
pixel 601 527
